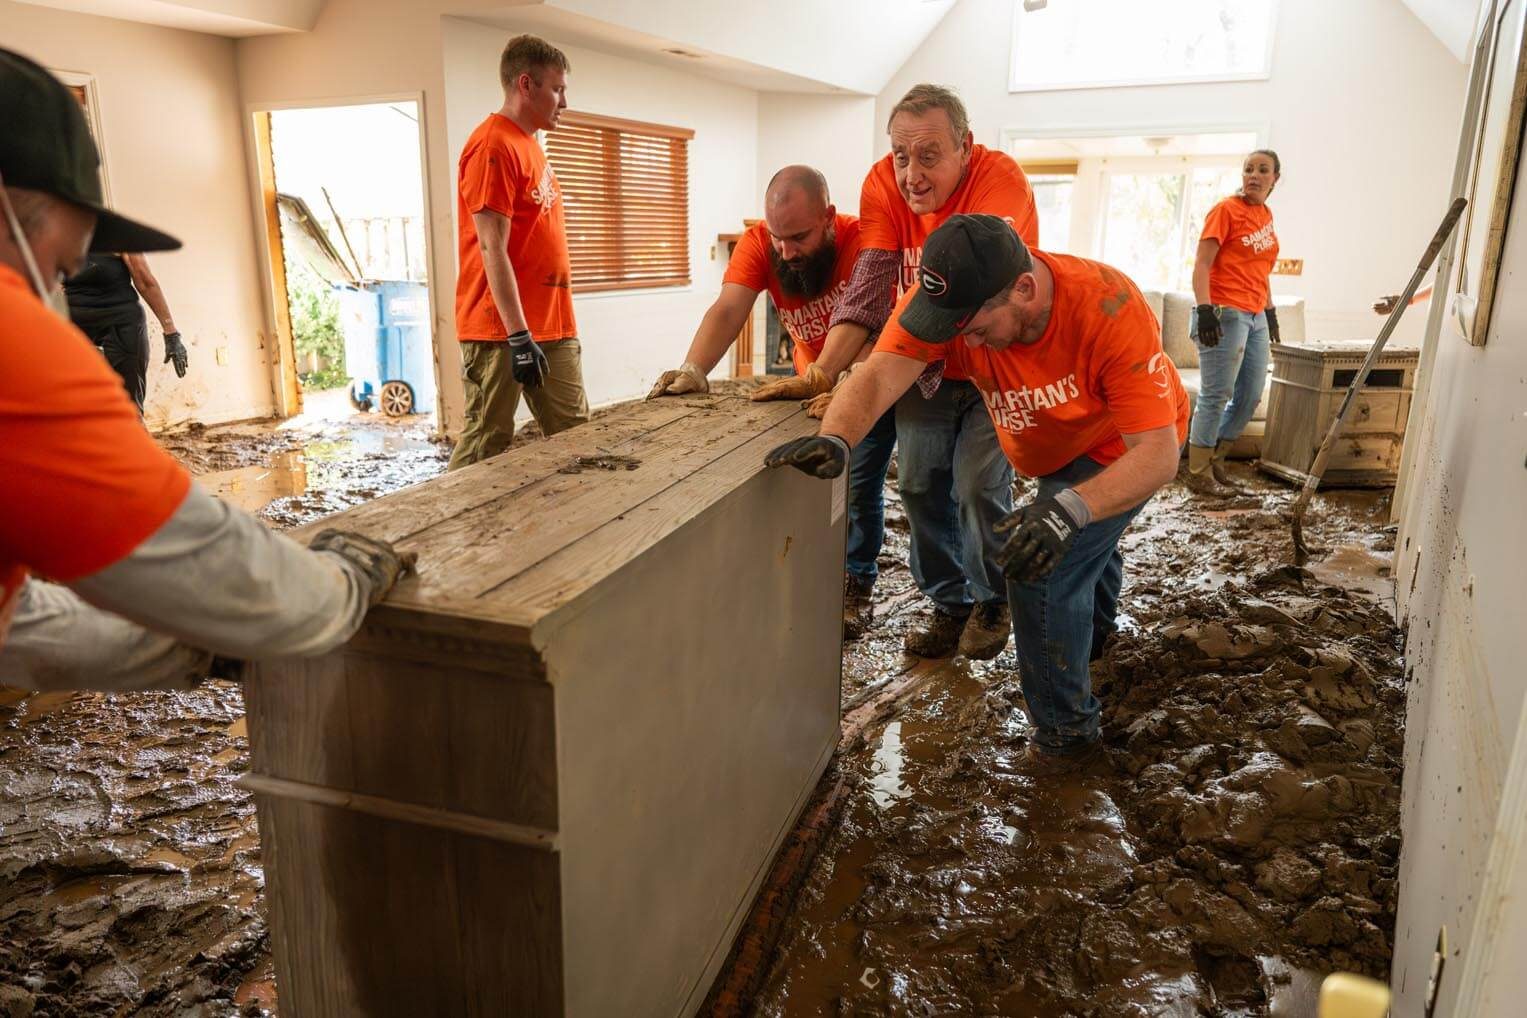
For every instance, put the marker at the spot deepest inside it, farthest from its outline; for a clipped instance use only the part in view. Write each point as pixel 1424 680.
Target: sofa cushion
pixel 1177 315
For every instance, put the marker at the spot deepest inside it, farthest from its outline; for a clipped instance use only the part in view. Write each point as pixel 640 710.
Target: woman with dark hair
pixel 1235 322
pixel 103 304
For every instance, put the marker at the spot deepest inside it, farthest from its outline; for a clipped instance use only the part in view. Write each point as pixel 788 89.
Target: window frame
pixel 1145 166
pixel 1014 86
pixel 645 129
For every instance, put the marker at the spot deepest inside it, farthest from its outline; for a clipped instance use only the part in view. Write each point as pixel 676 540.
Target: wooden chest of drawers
pixel 550 772
pixel 1308 384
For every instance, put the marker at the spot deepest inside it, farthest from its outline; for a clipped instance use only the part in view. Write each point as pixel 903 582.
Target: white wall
pixel 836 134
pixel 1362 107
pixel 175 158
pixel 629 338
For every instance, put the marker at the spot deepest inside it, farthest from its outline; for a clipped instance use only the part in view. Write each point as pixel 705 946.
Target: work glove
pixel 1208 325
pixel 1041 533
pixel 1384 305
pixel 527 361
pixel 813 383
pixel 1272 324
pixel 816 406
pixel 820 455
pixel 380 561
pixel 175 350
pixel 689 378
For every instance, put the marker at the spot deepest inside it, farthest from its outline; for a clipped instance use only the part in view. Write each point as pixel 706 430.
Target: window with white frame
pixel 1104 43
pixel 1152 212
pixel 1054 186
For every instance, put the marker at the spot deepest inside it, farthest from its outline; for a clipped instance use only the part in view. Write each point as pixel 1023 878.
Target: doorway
pixel 344 203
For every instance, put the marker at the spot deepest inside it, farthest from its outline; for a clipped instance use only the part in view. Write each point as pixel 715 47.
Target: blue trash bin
pixel 389 347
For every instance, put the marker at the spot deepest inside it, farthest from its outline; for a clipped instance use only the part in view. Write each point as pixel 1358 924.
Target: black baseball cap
pixel 966 262
pixel 47 147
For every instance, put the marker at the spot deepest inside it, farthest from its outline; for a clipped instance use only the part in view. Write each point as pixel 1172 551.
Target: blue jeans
pixel 1061 622
pixel 956 483
pixel 1231 376
pixel 866 496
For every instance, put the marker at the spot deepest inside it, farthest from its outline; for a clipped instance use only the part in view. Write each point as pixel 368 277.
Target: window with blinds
pixel 625 193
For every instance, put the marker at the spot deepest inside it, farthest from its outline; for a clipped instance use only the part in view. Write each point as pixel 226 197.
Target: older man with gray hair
pixel 954 480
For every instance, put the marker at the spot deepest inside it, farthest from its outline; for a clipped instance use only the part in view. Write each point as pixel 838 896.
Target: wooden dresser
pixel 549 774
pixel 1309 382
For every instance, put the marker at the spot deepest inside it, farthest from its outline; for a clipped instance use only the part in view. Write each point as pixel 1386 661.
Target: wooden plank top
pixel 507 542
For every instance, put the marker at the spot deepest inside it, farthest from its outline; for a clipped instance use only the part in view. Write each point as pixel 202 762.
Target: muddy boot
pixel 986 631
pixel 1036 762
pixel 858 610
pixel 1198 476
pixel 1219 466
pixel 937 635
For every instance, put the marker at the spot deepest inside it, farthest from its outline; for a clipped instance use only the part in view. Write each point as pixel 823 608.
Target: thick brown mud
pixel 1241 839
pixel 1238 840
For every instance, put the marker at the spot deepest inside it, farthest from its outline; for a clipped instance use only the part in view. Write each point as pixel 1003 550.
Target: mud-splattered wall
pixel 174 153
pixel 1460 565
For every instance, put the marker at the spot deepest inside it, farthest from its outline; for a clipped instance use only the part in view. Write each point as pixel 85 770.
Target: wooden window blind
pixel 625 193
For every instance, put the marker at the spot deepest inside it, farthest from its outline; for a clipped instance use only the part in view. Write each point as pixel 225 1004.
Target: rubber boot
pixel 1199 476
pixel 1219 466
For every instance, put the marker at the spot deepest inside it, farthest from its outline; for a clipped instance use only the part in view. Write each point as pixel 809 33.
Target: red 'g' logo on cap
pixel 934 285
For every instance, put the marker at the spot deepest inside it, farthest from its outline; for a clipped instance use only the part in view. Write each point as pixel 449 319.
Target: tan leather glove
pixel 379 561
pixel 813 383
pixel 817 406
pixel 689 378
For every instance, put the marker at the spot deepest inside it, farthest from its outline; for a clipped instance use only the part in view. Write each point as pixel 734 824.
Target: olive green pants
pixel 493 396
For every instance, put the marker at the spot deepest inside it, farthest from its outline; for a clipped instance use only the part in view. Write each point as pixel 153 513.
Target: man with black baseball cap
pixel 1068 359
pixel 152 578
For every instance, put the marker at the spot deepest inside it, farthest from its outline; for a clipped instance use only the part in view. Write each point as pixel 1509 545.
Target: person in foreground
pixel 154 583
pixel 1068 359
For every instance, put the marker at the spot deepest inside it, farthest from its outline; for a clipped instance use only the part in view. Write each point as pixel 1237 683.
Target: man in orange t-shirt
pixel 514 298
pixel 954 481
pixel 802 254
pixel 149 577
pixel 1069 363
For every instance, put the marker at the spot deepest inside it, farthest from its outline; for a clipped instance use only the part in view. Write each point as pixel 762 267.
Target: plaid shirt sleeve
pixel 870 290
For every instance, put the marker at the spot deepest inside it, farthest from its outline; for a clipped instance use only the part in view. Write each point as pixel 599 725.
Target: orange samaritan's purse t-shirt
pixel 1098 372
pixel 806 318
pixel 1248 249
pixel 503 169
pixel 84 482
pixel 994 185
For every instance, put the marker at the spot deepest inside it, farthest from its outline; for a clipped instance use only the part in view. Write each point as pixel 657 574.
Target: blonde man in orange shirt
pixel 1069 364
pixel 514 298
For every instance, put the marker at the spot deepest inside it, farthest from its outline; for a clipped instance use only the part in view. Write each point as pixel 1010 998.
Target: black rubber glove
pixel 819 455
pixel 175 350
pixel 1041 533
pixel 1272 325
pixel 1208 325
pixel 527 362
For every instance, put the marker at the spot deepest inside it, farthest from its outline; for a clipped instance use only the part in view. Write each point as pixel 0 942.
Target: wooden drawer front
pixel 1364 453
pixel 1374 411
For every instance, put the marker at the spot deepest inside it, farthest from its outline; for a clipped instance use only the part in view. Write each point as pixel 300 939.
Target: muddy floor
pixel 1240 841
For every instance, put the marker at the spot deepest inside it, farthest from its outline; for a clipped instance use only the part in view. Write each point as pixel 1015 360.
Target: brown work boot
pixel 858 610
pixel 1219 466
pixel 986 631
pixel 936 635
pixel 1035 761
pixel 1198 475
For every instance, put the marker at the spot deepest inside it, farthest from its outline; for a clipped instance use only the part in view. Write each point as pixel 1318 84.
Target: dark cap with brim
pixel 46 146
pixel 966 262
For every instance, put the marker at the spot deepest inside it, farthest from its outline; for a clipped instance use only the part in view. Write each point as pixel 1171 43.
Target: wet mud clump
pixel 1238 840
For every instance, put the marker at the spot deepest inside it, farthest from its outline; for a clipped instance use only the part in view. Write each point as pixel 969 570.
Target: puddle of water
pixel 253 488
pixel 1357 567
pixel 886 784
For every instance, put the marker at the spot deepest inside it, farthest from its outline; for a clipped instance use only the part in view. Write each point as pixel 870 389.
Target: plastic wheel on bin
pixel 397 399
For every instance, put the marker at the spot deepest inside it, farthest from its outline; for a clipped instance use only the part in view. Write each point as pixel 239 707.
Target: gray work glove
pixel 1207 321
pixel 175 350
pixel 379 560
pixel 527 362
pixel 1040 535
pixel 688 378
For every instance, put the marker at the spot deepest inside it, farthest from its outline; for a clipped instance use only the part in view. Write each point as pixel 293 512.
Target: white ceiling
pixel 1451 21
pixel 849 46
pixel 235 18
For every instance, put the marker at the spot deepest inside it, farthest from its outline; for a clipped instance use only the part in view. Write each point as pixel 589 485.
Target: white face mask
pixel 51 296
